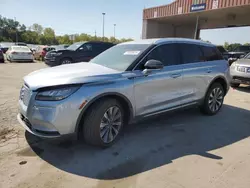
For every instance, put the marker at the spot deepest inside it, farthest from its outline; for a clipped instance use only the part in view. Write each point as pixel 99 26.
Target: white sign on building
pixel 215 4
pixel 179 10
pixel 155 14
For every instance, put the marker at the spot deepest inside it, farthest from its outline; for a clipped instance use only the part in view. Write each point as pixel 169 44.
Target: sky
pixel 83 16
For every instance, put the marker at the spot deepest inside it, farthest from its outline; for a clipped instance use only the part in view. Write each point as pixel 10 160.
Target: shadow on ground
pixel 243 88
pixel 148 145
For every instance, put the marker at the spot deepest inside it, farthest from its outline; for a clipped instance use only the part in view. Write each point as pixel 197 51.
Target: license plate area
pixel 243 69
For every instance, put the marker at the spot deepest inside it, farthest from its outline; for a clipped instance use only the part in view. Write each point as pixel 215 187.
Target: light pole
pixel 16 33
pixel 114 30
pixel 103 20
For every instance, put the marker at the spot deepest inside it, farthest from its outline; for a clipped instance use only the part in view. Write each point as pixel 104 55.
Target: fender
pixel 131 110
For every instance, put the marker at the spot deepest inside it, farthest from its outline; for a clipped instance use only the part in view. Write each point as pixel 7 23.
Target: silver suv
pixel 128 81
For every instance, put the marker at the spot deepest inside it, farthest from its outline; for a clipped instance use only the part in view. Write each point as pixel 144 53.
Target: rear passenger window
pixel 211 53
pixel 191 53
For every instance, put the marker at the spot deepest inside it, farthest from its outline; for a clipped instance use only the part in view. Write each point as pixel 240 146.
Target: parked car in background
pixel 41 51
pixel 223 51
pixel 124 83
pixel 1 56
pixel 20 44
pixel 19 53
pixel 4 46
pixel 77 52
pixel 238 53
pixel 240 71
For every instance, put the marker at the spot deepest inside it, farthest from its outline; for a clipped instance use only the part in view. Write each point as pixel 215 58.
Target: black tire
pixel 41 58
pixel 66 61
pixel 91 126
pixel 234 85
pixel 205 107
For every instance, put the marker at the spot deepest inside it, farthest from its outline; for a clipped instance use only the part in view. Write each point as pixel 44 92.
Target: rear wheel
pixel 41 58
pixel 66 61
pixel 235 85
pixel 213 100
pixel 103 123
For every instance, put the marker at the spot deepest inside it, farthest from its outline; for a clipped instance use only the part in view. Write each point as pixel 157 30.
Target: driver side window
pixel 166 53
pixel 86 48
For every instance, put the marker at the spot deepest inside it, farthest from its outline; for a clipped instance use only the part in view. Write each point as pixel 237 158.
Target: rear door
pixel 193 84
pixel 99 48
pixel 213 65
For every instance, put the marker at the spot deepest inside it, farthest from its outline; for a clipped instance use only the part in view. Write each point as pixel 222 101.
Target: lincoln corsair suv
pixel 127 82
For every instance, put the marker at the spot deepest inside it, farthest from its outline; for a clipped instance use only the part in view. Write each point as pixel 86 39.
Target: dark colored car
pixel 1 56
pixel 4 47
pixel 223 51
pixel 77 52
pixel 238 53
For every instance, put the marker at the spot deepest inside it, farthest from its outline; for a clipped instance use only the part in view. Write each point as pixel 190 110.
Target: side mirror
pixel 153 64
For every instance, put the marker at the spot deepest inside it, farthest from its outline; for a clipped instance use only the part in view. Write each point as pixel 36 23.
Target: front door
pixel 84 53
pixel 160 89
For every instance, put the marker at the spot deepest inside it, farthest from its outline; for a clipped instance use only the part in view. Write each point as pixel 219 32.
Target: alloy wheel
pixel 111 123
pixel 66 61
pixel 215 99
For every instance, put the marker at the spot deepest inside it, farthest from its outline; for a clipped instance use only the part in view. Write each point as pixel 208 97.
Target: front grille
pixel 48 55
pixel 25 95
pixel 241 78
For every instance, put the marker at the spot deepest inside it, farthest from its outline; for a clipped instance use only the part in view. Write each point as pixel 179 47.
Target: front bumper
pixel 238 77
pixel 49 119
pixel 28 126
pixel 51 61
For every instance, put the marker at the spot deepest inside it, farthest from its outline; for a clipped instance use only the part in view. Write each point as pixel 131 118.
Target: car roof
pixel 16 46
pixel 158 41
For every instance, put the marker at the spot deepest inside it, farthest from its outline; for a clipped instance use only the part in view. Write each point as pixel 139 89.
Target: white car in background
pixel 19 53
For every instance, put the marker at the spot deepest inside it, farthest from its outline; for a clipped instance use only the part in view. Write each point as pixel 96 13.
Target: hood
pixel 60 50
pixel 243 62
pixel 70 74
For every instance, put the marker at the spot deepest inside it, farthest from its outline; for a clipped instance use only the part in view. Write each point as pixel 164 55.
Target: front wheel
pixel 103 123
pixel 65 61
pixel 213 100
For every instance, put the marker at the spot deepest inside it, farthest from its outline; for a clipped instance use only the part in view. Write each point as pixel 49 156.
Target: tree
pixel 48 36
pixel 37 28
pixel 226 45
pixel 35 34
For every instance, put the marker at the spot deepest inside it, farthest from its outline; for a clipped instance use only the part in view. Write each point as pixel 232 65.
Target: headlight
pixel 56 94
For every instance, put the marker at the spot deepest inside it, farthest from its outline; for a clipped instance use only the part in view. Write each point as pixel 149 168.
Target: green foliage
pixel 231 47
pixel 36 34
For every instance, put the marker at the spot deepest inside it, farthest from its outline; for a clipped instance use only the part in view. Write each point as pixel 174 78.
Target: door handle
pixel 175 75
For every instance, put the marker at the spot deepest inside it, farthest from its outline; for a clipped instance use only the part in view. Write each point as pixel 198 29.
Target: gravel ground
pixel 177 150
pixel 11 75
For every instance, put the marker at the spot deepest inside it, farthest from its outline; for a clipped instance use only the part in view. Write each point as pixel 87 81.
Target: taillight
pixel 43 53
pixel 14 53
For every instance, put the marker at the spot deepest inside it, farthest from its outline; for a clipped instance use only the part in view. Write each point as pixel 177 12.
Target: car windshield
pixel 75 46
pixel 120 56
pixel 247 56
pixel 242 49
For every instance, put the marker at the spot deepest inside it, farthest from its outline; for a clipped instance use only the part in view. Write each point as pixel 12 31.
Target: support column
pixel 197 30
